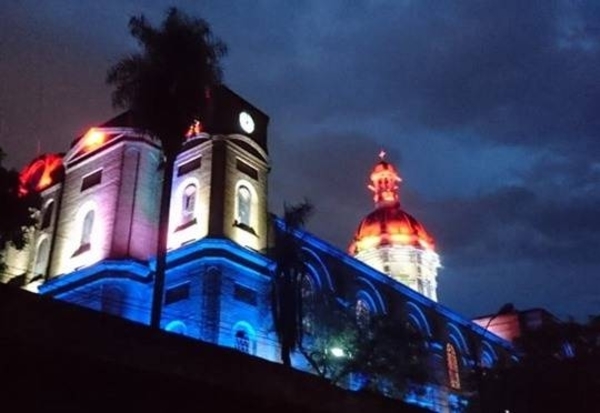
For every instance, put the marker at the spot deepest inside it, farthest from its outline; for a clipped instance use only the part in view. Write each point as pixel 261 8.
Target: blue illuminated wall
pixel 215 291
pixel 219 292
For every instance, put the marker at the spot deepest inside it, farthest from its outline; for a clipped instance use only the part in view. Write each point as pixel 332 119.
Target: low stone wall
pixel 56 355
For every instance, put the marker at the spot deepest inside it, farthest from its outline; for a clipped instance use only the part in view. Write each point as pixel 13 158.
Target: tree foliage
pixel 384 354
pixel 17 210
pixel 165 84
pixel 559 370
pixel 330 336
pixel 165 87
pixel 390 354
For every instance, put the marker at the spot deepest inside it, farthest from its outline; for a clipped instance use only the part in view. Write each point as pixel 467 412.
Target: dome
pixel 43 172
pixel 384 166
pixel 392 241
pixel 390 225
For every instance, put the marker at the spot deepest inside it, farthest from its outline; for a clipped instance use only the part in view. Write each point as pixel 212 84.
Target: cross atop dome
pixel 384 182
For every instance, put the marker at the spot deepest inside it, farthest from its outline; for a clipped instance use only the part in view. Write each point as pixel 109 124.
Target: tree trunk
pixel 161 249
pixel 289 317
pixel 283 327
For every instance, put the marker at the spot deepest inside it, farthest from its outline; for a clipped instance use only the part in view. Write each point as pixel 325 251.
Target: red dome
pixel 390 225
pixel 43 172
pixel 383 166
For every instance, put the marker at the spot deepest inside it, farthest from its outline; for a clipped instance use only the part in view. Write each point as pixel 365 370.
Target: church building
pixel 95 246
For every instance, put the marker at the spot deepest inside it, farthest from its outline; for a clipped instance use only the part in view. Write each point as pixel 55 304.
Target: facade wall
pixel 77 202
pixel 414 267
pixel 124 200
pixel 245 170
pixel 207 297
pixel 137 205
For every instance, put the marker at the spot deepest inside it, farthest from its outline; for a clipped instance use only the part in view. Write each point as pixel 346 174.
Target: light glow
pixel 337 352
pixel 194 130
pixel 93 139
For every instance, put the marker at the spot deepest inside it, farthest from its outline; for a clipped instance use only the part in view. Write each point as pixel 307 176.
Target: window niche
pixel 189 166
pixel 246 169
pixel 452 366
pixel 47 216
pixel 85 238
pixel 177 293
pixel 308 295
pixel 245 294
pixel 41 258
pixel 189 201
pixel 244 209
pixel 91 180
pixel 242 341
pixel 362 313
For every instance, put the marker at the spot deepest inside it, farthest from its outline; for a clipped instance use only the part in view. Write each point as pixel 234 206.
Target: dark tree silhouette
pixel 559 370
pixel 17 207
pixel 165 87
pixel 389 355
pixel 384 353
pixel 286 294
pixel 331 343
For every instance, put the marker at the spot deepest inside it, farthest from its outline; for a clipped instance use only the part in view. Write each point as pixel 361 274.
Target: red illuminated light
pixel 194 130
pixel 40 174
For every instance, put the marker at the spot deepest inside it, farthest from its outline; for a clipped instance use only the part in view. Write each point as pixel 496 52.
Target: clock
pixel 246 122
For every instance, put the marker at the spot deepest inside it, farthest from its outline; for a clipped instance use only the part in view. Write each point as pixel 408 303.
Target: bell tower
pixel 220 177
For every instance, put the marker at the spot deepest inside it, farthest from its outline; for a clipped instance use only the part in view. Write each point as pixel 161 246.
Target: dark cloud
pixel 532 243
pixel 334 181
pixel 511 72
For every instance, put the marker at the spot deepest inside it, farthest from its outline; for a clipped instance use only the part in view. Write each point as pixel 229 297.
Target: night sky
pixel 490 110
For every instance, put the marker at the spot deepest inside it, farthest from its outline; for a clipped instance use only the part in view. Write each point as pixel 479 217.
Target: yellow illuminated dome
pixel 388 224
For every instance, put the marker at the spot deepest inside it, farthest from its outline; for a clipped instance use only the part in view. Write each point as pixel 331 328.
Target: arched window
pixel 188 204
pixel 47 216
pixel 452 366
pixel 86 230
pixel 41 258
pixel 308 295
pixel 363 313
pixel 244 206
pixel 486 360
pixel 242 341
pixel 176 327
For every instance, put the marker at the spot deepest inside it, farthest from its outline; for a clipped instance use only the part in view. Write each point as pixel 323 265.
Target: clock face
pixel 246 122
